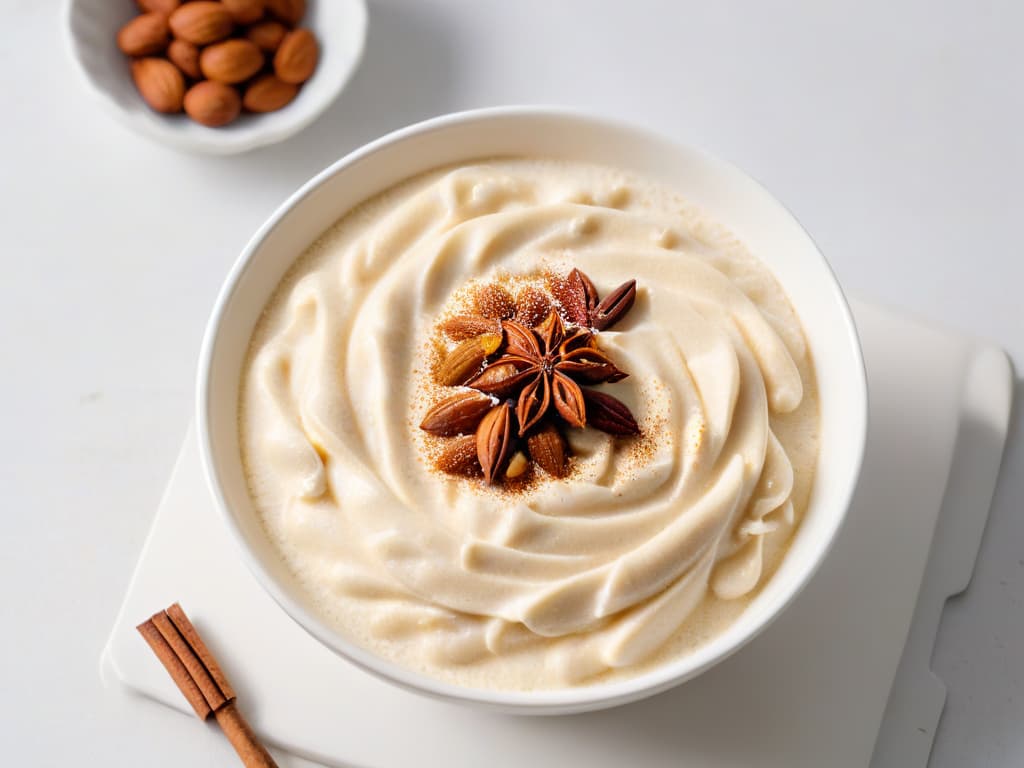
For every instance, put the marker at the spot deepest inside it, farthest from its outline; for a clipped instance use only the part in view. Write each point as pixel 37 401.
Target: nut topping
pixel 542 375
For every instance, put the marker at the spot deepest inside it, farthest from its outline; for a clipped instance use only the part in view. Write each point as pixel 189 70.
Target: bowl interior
pixel 92 25
pixel 733 198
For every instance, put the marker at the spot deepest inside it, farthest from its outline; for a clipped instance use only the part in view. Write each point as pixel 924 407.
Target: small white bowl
pixel 92 25
pixel 725 192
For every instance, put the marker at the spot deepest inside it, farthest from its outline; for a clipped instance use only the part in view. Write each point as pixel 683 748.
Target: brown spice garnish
pixel 188 661
pixel 540 375
pixel 494 302
pixel 493 440
pixel 459 457
pixel 457 415
pixel 547 449
pixel 532 306
pixel 614 307
pixel 462 327
pixel 577 295
pixel 466 360
pixel 609 414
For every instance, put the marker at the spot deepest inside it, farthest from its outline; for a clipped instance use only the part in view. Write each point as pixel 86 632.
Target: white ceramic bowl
pixel 92 25
pixel 726 193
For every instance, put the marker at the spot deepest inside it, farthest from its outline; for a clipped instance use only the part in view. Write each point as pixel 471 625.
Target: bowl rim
pixel 220 143
pixel 548 701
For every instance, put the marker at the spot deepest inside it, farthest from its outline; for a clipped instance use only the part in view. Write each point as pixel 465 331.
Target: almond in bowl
pixel 216 60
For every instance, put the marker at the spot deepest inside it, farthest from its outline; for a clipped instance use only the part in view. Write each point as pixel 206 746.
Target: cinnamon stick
pixel 248 747
pixel 175 668
pixel 195 671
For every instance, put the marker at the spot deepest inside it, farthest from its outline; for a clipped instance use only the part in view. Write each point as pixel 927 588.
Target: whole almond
pixel 160 84
pixel 267 35
pixel 165 7
pixel 494 302
pixel 457 415
pixel 144 35
pixel 288 11
pixel 463 327
pixel 297 56
pixel 212 104
pixel 459 457
pixel 268 93
pixel 609 414
pixel 466 360
pixel 185 57
pixel 201 22
pixel 532 306
pixel 244 11
pixel 547 448
pixel 231 61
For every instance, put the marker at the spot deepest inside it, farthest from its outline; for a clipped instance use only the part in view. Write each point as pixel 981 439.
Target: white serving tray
pixel 810 691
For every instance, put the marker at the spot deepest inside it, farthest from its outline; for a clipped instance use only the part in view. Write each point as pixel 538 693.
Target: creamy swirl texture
pixel 647 549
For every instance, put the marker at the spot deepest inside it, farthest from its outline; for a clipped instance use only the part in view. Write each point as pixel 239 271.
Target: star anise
pixel 544 367
pixel 582 306
pixel 536 380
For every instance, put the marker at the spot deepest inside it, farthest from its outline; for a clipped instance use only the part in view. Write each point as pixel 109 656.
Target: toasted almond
pixel 201 22
pixel 212 104
pixel 231 61
pixel 185 56
pixel 459 457
pixel 160 83
pixel 457 415
pixel 244 11
pixel 466 360
pixel 463 327
pixel 296 57
pixel 268 93
pixel 532 306
pixel 609 414
pixel 144 35
pixel 547 449
pixel 494 302
pixel 267 35
pixel 288 11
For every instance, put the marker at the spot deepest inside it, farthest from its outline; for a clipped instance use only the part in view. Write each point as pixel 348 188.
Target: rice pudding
pixel 494 561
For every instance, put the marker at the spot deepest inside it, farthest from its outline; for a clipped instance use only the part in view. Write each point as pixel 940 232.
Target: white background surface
pixel 893 130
